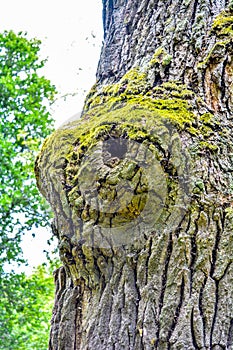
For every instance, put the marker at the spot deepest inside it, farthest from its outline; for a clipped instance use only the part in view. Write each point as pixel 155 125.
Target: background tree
pixel 25 121
pixel 25 96
pixel 141 186
pixel 25 310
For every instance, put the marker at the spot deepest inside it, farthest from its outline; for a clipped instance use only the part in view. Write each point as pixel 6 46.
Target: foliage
pixel 24 123
pixel 222 24
pixel 25 310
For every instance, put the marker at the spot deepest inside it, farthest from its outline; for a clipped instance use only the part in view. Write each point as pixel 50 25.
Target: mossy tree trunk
pixel 141 186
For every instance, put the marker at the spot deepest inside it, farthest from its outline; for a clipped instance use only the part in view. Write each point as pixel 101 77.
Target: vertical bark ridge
pixel 163 286
pixel 201 310
pixel 177 313
pixel 230 335
pixel 194 340
pixel 215 313
pixel 193 253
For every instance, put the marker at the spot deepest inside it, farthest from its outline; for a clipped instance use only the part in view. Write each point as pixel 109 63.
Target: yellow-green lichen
pixel 132 94
pixel 131 107
pixel 160 57
pixel 207 145
pixel 215 54
pixel 222 30
pixel 223 24
pixel 171 89
pixel 135 110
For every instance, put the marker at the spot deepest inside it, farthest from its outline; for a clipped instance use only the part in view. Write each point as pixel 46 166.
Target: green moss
pixel 166 60
pixel 215 54
pixel 208 145
pixel 132 108
pixel 172 89
pixel 157 57
pixel 160 57
pixel 223 24
pixel 135 81
pixel 222 30
pixel 134 115
pixel 229 212
pixel 133 93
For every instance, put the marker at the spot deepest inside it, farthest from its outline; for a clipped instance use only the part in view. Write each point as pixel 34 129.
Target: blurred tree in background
pixel 25 98
pixel 24 122
pixel 25 310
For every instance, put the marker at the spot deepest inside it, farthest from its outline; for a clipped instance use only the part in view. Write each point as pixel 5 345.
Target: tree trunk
pixel 141 186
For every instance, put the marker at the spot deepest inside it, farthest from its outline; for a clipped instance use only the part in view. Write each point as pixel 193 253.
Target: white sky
pixel 71 35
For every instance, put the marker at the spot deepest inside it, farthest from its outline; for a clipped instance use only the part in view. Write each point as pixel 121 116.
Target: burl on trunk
pixel 141 185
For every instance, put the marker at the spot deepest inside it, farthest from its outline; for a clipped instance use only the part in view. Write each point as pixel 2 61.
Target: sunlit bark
pixel 141 186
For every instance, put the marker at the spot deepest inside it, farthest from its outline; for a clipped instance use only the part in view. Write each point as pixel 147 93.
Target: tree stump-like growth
pixel 141 186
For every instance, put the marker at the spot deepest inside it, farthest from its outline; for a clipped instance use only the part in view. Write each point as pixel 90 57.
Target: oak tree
pixel 141 185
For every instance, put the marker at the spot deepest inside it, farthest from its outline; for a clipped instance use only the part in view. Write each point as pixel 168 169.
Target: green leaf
pixel 25 96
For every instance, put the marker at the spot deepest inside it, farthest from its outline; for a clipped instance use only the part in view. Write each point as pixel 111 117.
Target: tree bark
pixel 141 186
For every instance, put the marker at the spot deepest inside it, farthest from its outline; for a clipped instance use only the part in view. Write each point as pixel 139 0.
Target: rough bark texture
pixel 141 186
